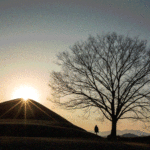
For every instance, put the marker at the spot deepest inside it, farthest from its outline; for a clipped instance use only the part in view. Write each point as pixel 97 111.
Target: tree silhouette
pixel 108 72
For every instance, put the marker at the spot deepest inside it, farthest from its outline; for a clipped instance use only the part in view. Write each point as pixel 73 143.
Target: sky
pixel 33 32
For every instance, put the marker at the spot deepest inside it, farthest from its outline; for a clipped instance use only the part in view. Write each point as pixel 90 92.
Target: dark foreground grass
pixel 37 143
pixel 144 139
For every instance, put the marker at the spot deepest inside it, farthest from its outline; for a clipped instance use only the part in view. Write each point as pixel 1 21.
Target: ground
pixel 25 143
pixel 23 129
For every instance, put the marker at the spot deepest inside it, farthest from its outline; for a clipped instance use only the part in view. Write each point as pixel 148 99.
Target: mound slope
pixel 30 109
pixel 30 118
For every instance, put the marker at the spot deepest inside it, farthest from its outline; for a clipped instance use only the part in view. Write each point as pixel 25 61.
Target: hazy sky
pixel 32 32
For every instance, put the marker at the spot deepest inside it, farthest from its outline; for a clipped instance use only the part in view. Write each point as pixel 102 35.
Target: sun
pixel 26 92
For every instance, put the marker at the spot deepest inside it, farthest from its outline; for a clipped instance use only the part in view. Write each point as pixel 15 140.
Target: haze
pixel 33 32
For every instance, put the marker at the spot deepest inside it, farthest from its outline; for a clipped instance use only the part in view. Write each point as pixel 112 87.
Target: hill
pixel 121 132
pixel 129 135
pixel 30 125
pixel 31 119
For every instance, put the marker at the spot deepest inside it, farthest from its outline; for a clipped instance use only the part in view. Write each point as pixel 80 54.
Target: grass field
pixel 25 143
pixel 42 129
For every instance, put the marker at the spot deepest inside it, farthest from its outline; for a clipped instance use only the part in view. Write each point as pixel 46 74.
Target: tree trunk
pixel 114 128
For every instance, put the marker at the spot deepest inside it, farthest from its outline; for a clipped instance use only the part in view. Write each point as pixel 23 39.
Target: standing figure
pixel 96 129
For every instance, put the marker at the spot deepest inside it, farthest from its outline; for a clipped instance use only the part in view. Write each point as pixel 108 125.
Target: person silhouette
pixel 96 129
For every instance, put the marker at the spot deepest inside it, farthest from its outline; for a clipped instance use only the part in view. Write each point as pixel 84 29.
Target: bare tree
pixel 110 73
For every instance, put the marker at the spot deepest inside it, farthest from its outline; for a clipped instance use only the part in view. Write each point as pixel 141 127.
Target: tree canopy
pixel 108 72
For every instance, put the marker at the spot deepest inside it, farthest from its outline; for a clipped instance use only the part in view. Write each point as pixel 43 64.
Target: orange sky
pixel 32 33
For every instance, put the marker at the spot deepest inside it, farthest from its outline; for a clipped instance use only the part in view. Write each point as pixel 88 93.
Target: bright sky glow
pixel 33 32
pixel 26 92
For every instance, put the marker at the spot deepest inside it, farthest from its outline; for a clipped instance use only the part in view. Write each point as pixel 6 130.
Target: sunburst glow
pixel 26 92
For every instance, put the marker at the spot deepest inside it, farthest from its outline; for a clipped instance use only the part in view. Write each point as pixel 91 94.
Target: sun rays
pixel 24 109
